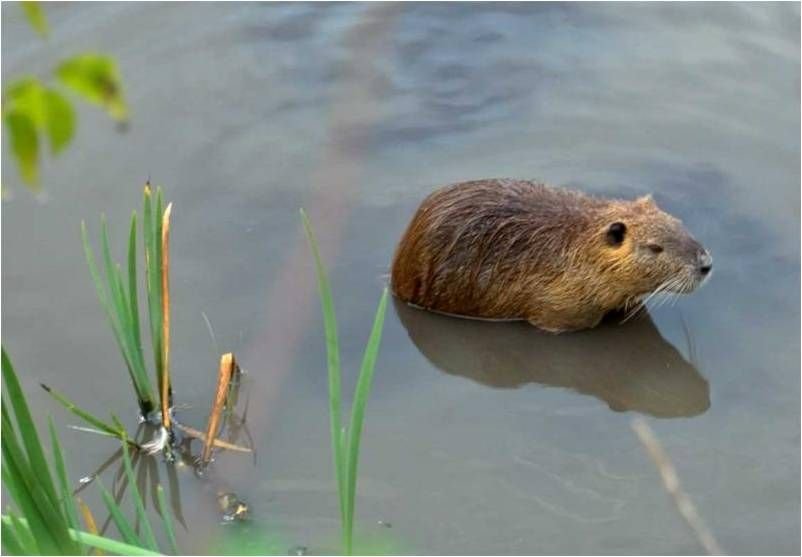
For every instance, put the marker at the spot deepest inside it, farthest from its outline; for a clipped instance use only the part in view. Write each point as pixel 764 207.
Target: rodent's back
pixel 473 248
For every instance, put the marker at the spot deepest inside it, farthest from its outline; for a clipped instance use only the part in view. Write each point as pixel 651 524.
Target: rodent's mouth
pixel 684 282
pixel 687 282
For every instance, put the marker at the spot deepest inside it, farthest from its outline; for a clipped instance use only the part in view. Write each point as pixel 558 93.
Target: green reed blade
pixel 15 539
pixel 92 540
pixel 121 304
pixel 83 414
pixel 10 544
pixel 109 545
pixel 132 288
pixel 125 528
pixel 139 505
pixel 23 532
pixel 361 394
pixel 27 430
pixel 104 296
pixel 28 491
pixel 16 488
pixel 153 276
pixel 167 520
pixel 333 361
pixel 117 310
pixel 132 332
pixel 67 502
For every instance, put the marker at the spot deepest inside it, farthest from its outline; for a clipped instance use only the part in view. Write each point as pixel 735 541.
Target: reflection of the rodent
pixel 629 366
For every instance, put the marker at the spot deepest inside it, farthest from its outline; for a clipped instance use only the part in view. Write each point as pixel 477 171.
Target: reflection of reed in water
pixel 629 366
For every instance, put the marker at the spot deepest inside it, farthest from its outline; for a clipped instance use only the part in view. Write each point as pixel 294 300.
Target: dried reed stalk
pixel 672 484
pixel 228 366
pixel 217 442
pixel 89 521
pixel 165 386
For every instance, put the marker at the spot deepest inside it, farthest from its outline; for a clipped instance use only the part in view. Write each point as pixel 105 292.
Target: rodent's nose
pixel 705 263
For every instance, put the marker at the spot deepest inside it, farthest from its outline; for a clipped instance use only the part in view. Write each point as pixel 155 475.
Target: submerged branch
pixel 672 484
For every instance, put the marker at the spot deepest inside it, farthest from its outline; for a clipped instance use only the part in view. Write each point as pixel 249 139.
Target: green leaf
pixel 26 95
pixel 92 540
pixel 24 145
pixel 27 430
pixel 21 478
pixel 333 361
pixel 149 538
pixel 126 529
pixel 59 120
pixel 167 521
pixel 83 414
pixel 132 288
pixel 358 412
pixel 121 308
pixel 67 502
pixel 152 213
pixel 109 545
pixel 96 79
pixel 23 534
pixel 36 17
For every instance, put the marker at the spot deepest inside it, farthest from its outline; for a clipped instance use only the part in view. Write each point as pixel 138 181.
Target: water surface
pixel 479 438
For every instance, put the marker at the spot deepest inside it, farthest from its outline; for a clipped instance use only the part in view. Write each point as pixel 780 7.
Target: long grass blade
pixel 23 535
pixel 333 362
pixel 27 430
pixel 12 543
pixel 27 476
pixel 361 394
pixel 14 482
pixel 125 528
pixel 20 479
pixel 132 289
pixel 153 282
pixel 104 296
pixel 167 520
pixel 121 304
pixel 99 542
pixel 67 502
pixel 147 530
pixel 83 414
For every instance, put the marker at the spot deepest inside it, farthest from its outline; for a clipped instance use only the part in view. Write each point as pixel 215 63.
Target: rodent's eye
pixel 616 233
pixel 655 248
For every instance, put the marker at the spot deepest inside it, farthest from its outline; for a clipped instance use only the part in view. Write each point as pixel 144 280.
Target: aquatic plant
pixel 46 521
pixel 345 440
pixel 34 107
pixel 118 295
pixel 120 299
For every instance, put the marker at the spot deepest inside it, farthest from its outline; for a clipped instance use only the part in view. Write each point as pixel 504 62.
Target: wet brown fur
pixel 514 249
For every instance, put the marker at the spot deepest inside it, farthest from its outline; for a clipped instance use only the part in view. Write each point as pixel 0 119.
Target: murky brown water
pixel 480 438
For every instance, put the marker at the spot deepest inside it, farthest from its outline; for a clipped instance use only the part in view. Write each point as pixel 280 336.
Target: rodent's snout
pixel 705 262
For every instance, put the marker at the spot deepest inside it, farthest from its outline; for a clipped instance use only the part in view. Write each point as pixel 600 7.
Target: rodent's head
pixel 650 251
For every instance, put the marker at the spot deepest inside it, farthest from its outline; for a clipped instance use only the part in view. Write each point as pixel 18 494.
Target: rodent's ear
pixel 616 233
pixel 646 200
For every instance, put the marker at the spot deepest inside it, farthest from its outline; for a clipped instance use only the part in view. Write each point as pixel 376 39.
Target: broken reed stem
pixel 219 443
pixel 165 263
pixel 89 518
pixel 227 366
pixel 671 482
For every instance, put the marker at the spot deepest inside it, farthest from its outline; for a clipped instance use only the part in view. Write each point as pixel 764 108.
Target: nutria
pixel 560 259
pixel 629 367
